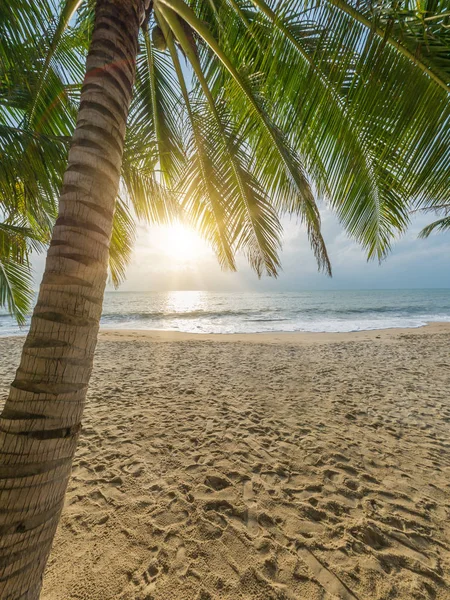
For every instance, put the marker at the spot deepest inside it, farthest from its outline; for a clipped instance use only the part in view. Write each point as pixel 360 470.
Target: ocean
pixel 258 312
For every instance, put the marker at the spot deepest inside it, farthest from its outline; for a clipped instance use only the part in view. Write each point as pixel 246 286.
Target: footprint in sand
pixel 179 564
pixel 134 468
pixel 328 580
pixel 251 504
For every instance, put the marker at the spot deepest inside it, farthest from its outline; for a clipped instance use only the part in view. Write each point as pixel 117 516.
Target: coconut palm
pixel 228 113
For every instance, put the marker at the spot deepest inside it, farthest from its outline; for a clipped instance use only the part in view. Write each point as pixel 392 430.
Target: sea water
pixel 257 312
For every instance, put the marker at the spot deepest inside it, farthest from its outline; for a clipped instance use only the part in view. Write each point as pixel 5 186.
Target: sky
pixel 177 259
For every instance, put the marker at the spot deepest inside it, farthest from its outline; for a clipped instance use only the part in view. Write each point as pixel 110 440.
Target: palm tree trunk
pixel 40 423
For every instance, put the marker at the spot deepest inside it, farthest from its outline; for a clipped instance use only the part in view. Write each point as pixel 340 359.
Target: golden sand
pixel 282 466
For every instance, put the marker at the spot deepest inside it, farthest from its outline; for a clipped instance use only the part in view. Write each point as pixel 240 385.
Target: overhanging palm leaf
pixel 254 223
pixel 200 186
pixel 419 31
pixel 442 224
pixel 122 240
pixel 357 134
pixel 156 108
pixel 439 225
pixel 16 294
pixel 37 116
pixel 362 109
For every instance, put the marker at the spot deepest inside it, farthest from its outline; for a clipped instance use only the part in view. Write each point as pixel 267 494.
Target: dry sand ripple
pixel 259 467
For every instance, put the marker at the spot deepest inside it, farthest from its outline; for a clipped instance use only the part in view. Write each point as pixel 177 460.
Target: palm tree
pixel 288 102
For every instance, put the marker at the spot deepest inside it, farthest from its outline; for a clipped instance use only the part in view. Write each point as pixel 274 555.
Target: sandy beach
pixel 262 467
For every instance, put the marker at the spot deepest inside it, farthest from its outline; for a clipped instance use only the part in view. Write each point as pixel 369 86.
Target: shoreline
pixel 299 337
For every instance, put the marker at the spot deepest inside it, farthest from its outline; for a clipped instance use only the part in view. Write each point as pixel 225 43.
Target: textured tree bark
pixel 41 419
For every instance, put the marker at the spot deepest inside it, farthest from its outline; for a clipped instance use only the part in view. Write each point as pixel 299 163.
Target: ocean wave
pixel 392 310
pixel 193 314
pixel 265 320
pixel 270 314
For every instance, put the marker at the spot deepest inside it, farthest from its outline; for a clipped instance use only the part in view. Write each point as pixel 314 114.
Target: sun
pixel 182 244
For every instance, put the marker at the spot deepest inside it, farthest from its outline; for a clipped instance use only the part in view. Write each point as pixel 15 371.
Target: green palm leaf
pixel 439 225
pixel 255 224
pixel 16 292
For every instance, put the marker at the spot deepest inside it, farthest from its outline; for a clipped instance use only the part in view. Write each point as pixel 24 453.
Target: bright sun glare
pixel 182 244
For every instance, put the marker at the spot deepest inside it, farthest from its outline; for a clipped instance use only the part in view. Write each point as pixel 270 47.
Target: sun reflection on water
pixel 185 301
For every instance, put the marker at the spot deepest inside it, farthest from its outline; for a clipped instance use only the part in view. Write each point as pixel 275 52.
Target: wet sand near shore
pixel 265 466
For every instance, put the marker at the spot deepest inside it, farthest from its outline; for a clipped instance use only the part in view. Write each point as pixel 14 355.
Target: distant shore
pixel 258 466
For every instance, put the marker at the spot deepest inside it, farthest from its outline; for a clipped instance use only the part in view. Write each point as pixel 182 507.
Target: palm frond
pixel 15 274
pixel 202 202
pixel 122 240
pixel 284 169
pixel 418 31
pixel 254 223
pixel 16 288
pixel 373 119
pixel 439 225
pixel 156 109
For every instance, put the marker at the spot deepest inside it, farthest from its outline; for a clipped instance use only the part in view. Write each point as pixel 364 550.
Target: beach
pixel 259 466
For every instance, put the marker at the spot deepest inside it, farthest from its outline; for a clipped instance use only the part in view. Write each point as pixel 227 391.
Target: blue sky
pixel 160 262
